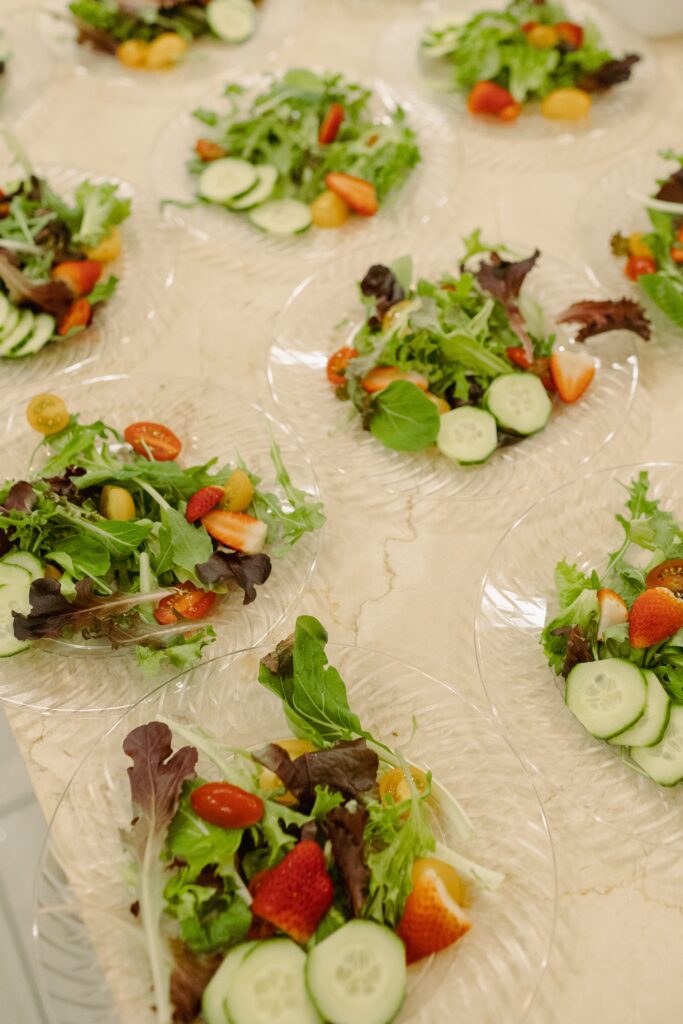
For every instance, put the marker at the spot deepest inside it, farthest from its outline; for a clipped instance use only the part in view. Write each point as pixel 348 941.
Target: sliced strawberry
pixel 201 502
pixel 207 150
pixel 517 355
pixel 491 98
pixel 382 376
pixel 297 893
pixel 432 919
pixel 236 530
pixel 655 615
pixel 331 124
pixel 80 276
pixel 569 33
pixel 358 194
pixel 613 611
pixel 572 372
pixel 77 315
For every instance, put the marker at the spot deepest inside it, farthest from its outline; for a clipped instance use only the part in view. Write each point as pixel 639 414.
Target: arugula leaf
pixel 189 545
pixel 287 522
pixel 82 556
pixel 103 290
pixel 403 418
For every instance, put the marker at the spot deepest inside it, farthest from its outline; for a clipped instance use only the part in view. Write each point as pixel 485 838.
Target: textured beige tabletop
pixel 407 582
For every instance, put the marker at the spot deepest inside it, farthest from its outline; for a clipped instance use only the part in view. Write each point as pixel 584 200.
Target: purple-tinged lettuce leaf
pixel 246 571
pixel 21 497
pixel 578 647
pixel 671 190
pixel 345 830
pixel 503 280
pixel 350 768
pixel 156 779
pixel 54 297
pixel 601 315
pixel 612 72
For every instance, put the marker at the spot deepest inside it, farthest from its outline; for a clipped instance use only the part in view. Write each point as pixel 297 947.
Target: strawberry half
pixel 80 276
pixel 297 893
pixel 358 194
pixel 572 372
pixel 613 611
pixel 655 615
pixel 431 919
pixel 236 530
pixel 201 502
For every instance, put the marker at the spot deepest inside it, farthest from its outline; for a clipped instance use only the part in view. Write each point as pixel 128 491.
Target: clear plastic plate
pixel 211 422
pixel 575 522
pixel 90 952
pixel 324 312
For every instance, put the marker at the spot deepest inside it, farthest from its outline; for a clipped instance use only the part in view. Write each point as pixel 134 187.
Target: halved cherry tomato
pixel 331 123
pixel 338 362
pixel 570 33
pixel 528 25
pixel 225 805
pixel 491 98
pixel 677 255
pixel 153 440
pixel 395 786
pixel 189 603
pixel 207 150
pixel 637 265
pixel 668 574
pixel 47 414
pixel 517 355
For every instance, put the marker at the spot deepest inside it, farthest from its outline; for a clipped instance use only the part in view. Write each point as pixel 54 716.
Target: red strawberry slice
pixel 358 194
pixel 613 611
pixel 296 895
pixel 80 276
pixel 656 615
pixel 236 530
pixel 572 372
pixel 201 502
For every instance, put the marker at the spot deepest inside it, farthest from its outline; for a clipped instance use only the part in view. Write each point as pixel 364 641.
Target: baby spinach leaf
pixel 403 418
pixel 82 556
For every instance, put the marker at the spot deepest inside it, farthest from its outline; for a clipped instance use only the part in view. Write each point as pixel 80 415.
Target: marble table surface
pixel 406 582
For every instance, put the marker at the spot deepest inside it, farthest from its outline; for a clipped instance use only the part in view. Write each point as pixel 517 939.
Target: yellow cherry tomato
pixel 636 245
pixel 566 105
pixel 445 873
pixel 441 404
pixel 47 414
pixel 117 503
pixel 542 37
pixel 329 210
pixel 165 51
pixel 51 572
pixel 268 781
pixel 108 249
pixel 133 53
pixel 237 492
pixel 393 787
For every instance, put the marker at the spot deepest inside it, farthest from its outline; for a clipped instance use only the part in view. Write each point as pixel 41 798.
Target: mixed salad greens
pixel 293 882
pixel 618 639
pixel 113 537
pixel 153 35
pixel 305 150
pixel 465 362
pixel 655 259
pixel 53 256
pixel 528 51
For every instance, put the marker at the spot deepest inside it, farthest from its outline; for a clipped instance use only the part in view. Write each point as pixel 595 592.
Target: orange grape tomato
pixel 338 362
pixel 225 805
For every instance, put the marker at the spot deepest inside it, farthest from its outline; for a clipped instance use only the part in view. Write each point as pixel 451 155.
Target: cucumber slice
pixel 43 330
pixel 216 992
pixel 606 696
pixel 467 435
pixel 664 762
pixel 649 729
pixel 358 974
pixel 14 576
pixel 268 986
pixel 26 561
pixel 266 178
pixel 15 582
pixel 519 402
pixel 5 306
pixel 226 179
pixel 11 321
pixel 231 20
pixel 282 217
pixel 15 338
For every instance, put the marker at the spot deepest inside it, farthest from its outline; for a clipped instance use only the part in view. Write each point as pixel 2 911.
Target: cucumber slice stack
pixel 18 570
pixel 22 332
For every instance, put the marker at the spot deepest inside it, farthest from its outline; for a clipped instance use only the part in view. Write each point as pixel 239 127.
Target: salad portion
pixel 654 259
pixel 299 881
pixel 113 540
pixel 53 260
pixel 531 50
pixel 155 35
pixel 617 639
pixel 467 361
pixel 305 150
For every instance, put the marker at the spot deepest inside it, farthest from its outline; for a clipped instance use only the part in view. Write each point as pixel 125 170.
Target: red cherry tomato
pixel 569 32
pixel 338 362
pixel 190 603
pixel 637 265
pixel 518 356
pixel 153 440
pixel 491 98
pixel 668 574
pixel 528 25
pixel 331 124
pixel 225 805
